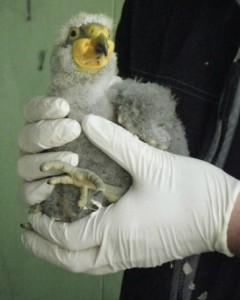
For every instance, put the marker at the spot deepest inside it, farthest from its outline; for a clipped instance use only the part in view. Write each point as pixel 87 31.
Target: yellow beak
pixel 101 45
pixel 93 51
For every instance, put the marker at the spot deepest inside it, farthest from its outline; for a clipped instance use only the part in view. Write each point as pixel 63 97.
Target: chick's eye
pixel 73 33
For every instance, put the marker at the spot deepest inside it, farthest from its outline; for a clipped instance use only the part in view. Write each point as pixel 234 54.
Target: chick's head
pixel 91 46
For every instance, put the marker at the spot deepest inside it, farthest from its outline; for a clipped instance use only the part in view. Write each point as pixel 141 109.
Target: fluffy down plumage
pixel 145 109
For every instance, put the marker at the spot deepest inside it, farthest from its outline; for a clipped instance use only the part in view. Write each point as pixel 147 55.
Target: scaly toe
pixel 82 203
pixel 43 167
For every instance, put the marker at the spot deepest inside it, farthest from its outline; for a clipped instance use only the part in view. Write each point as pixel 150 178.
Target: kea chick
pixel 84 73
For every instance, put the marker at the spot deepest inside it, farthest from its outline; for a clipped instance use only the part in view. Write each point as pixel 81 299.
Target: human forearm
pixel 234 229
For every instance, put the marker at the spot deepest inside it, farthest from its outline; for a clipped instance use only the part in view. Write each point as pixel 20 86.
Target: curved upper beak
pixel 101 44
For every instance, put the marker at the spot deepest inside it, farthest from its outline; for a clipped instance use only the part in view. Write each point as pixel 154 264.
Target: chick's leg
pixel 82 178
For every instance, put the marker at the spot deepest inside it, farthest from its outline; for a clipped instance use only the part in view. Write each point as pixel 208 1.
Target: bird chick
pixel 84 73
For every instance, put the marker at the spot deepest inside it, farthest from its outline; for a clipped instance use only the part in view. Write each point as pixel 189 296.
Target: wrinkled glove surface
pixel 46 127
pixel 177 206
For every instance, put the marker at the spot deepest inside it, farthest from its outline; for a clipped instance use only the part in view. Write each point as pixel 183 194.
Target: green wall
pixel 23 276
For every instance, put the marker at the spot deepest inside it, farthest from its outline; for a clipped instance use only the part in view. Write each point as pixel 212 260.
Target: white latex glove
pixel 176 207
pixel 46 128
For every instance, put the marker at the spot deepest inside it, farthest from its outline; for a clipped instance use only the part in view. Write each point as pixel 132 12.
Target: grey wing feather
pixel 149 111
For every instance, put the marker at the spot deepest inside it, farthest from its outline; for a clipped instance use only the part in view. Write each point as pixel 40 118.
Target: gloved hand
pixel 46 128
pixel 177 206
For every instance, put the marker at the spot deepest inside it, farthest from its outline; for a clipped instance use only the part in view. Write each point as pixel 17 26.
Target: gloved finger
pixel 125 148
pixel 31 193
pixel 75 236
pixel 75 261
pixel 28 166
pixel 48 134
pixel 45 108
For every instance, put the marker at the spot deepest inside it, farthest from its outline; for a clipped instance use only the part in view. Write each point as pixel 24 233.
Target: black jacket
pixel 189 46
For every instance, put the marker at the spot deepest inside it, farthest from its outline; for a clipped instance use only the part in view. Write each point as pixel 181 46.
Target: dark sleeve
pixel 186 45
pixel 123 38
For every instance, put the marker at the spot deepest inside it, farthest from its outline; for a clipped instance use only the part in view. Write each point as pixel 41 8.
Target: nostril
pixel 101 49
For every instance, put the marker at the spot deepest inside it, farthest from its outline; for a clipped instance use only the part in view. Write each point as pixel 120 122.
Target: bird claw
pixel 82 178
pixel 98 204
pixel 26 226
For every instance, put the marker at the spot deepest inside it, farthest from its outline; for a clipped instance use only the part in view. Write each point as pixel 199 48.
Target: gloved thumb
pixel 119 144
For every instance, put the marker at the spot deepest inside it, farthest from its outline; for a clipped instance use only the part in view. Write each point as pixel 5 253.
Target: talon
pixel 26 226
pixel 43 167
pixel 151 142
pixel 96 203
pixel 120 119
